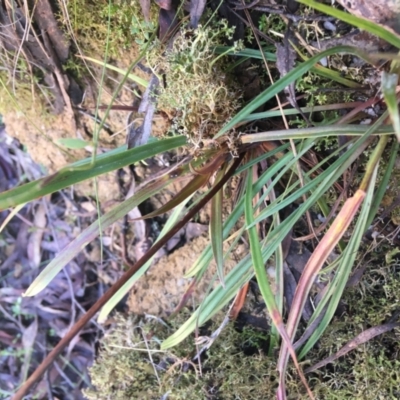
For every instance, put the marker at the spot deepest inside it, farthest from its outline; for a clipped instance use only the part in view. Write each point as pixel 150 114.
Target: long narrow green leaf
pixel 90 233
pixel 250 53
pixel 279 295
pixel 361 23
pixel 389 85
pixel 282 83
pixel 382 188
pixel 206 256
pixel 317 69
pixel 337 168
pixel 132 77
pixel 293 111
pixel 69 175
pixel 216 234
pixel 334 76
pixel 255 251
pixel 314 132
pixel 262 157
pixel 258 262
pixel 289 162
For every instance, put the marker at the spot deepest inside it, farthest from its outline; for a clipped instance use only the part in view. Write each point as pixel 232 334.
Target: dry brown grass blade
pixel 239 301
pixel 314 265
pixel 363 337
pixel 192 187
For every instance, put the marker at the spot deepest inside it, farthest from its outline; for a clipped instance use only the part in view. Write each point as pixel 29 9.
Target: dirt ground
pixel 160 291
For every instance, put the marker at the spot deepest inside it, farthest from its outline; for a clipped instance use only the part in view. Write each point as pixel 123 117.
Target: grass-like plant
pixel 229 149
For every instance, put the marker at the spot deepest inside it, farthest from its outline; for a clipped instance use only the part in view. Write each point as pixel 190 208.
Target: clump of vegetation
pixel 371 371
pixel 203 105
pixel 116 27
pixel 198 94
pixel 132 366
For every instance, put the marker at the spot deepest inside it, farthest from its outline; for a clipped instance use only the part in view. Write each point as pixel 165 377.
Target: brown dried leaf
pixel 285 58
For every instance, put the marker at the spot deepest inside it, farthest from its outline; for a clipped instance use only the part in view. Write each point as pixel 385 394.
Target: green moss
pixel 91 27
pixel 236 367
pixel 126 369
pixel 371 371
pixel 96 25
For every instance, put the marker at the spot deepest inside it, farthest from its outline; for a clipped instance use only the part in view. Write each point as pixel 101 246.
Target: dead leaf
pixel 28 340
pixel 285 58
pixel 164 4
pixel 35 238
pixel 145 6
pixel 139 134
pixel 384 12
pixel 196 11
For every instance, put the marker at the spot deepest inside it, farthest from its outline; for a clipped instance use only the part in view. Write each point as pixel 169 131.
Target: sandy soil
pixel 161 289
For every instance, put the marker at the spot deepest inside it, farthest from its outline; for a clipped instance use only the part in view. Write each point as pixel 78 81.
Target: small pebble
pixel 366 121
pixel 323 61
pixel 371 112
pixel 329 26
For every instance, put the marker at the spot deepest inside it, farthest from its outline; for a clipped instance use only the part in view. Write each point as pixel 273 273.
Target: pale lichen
pixel 198 95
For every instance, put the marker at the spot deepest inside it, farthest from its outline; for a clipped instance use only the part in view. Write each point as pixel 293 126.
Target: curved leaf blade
pixel 216 231
pixel 282 83
pixel 70 175
pixel 90 233
pixel 389 85
pixel 112 303
pixel 385 33
pixel 192 187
